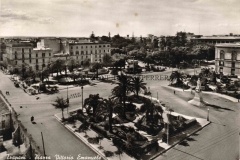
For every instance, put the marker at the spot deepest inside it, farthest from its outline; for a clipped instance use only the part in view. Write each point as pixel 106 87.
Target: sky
pixel 79 18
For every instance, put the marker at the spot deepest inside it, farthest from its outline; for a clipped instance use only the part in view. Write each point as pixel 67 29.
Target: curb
pixel 82 139
pixel 180 141
pixel 213 93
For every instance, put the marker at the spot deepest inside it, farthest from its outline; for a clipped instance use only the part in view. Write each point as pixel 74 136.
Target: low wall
pixel 20 134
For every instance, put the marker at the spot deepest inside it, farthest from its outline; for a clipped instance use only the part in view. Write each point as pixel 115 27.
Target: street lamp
pixel 208 115
pixel 82 97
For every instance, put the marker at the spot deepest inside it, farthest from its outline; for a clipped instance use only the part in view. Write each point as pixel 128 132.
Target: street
pixel 217 141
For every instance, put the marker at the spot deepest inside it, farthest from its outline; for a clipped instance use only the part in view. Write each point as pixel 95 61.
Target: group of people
pixel 7 93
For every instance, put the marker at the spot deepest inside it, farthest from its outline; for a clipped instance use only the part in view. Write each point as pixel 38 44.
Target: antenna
pixel 199 28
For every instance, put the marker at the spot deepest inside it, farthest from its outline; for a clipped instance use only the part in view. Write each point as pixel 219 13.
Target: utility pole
pixel 43 146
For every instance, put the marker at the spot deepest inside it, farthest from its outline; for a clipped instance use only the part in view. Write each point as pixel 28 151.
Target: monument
pixel 198 100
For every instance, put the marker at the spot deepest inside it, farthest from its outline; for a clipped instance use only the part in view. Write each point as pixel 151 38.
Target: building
pixel 227 58
pixel 92 51
pixel 216 39
pixel 18 54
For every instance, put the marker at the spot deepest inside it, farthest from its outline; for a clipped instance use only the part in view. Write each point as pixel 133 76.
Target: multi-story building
pixel 227 58
pixel 92 51
pixel 216 40
pixel 18 54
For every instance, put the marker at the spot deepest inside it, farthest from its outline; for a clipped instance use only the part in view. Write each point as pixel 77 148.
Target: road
pixel 217 141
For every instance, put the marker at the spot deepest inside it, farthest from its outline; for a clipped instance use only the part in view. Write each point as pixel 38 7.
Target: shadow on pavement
pixel 218 107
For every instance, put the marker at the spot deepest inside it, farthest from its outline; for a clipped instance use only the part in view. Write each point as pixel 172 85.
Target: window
pixel 99 51
pixel 82 57
pixel 71 53
pixel 91 46
pixel 103 45
pixel 91 52
pixel 30 56
pixel 22 50
pixel 22 60
pixel 103 51
pixel 82 47
pixel 95 56
pixel 71 47
pixel 95 51
pixel 77 52
pixel 43 60
pixel 22 56
pixel 49 54
pixel 37 67
pixel 86 46
pixel 30 61
pixel 221 54
pixel 82 52
pixel 221 70
pixel 43 65
pixel 36 60
pixel 232 71
pixel 77 57
pixel 15 55
pixel 99 46
pixel 221 63
pixel 86 52
pixel 76 47
pixel 36 55
pixel 95 46
pixel 233 64
pixel 29 50
pixel 43 55
pixel 3 124
pixel 234 55
pixel 86 56
pixel 15 62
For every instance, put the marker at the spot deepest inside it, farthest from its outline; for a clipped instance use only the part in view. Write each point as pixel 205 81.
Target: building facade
pixel 227 58
pixel 92 51
pixel 216 40
pixel 18 54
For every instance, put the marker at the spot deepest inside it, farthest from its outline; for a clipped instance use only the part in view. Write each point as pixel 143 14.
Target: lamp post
pixel 67 100
pixel 208 115
pixel 82 97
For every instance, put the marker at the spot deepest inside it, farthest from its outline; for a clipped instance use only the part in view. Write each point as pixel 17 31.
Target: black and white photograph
pixel 119 79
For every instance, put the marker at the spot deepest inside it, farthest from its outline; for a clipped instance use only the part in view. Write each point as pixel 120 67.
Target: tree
pixel 58 65
pixel 107 59
pixel 60 103
pixel 92 102
pixel 122 88
pixel 138 85
pixel 109 103
pixel 176 76
pixel 86 63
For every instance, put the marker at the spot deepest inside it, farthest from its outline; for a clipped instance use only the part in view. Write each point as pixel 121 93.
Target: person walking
pixel 32 119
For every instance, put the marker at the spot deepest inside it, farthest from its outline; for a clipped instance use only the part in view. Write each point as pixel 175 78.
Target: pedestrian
pixel 174 91
pixel 32 119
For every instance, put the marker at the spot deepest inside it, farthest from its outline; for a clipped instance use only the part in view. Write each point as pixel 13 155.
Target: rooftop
pixel 86 43
pixel 40 49
pixel 19 44
pixel 236 45
pixel 225 37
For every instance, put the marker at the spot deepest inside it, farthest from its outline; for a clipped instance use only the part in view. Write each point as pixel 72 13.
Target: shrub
pixel 108 153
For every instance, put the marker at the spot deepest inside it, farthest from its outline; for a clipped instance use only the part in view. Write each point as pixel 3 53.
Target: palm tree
pixel 122 88
pixel 92 102
pixel 109 103
pixel 176 76
pixel 138 85
pixel 61 103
